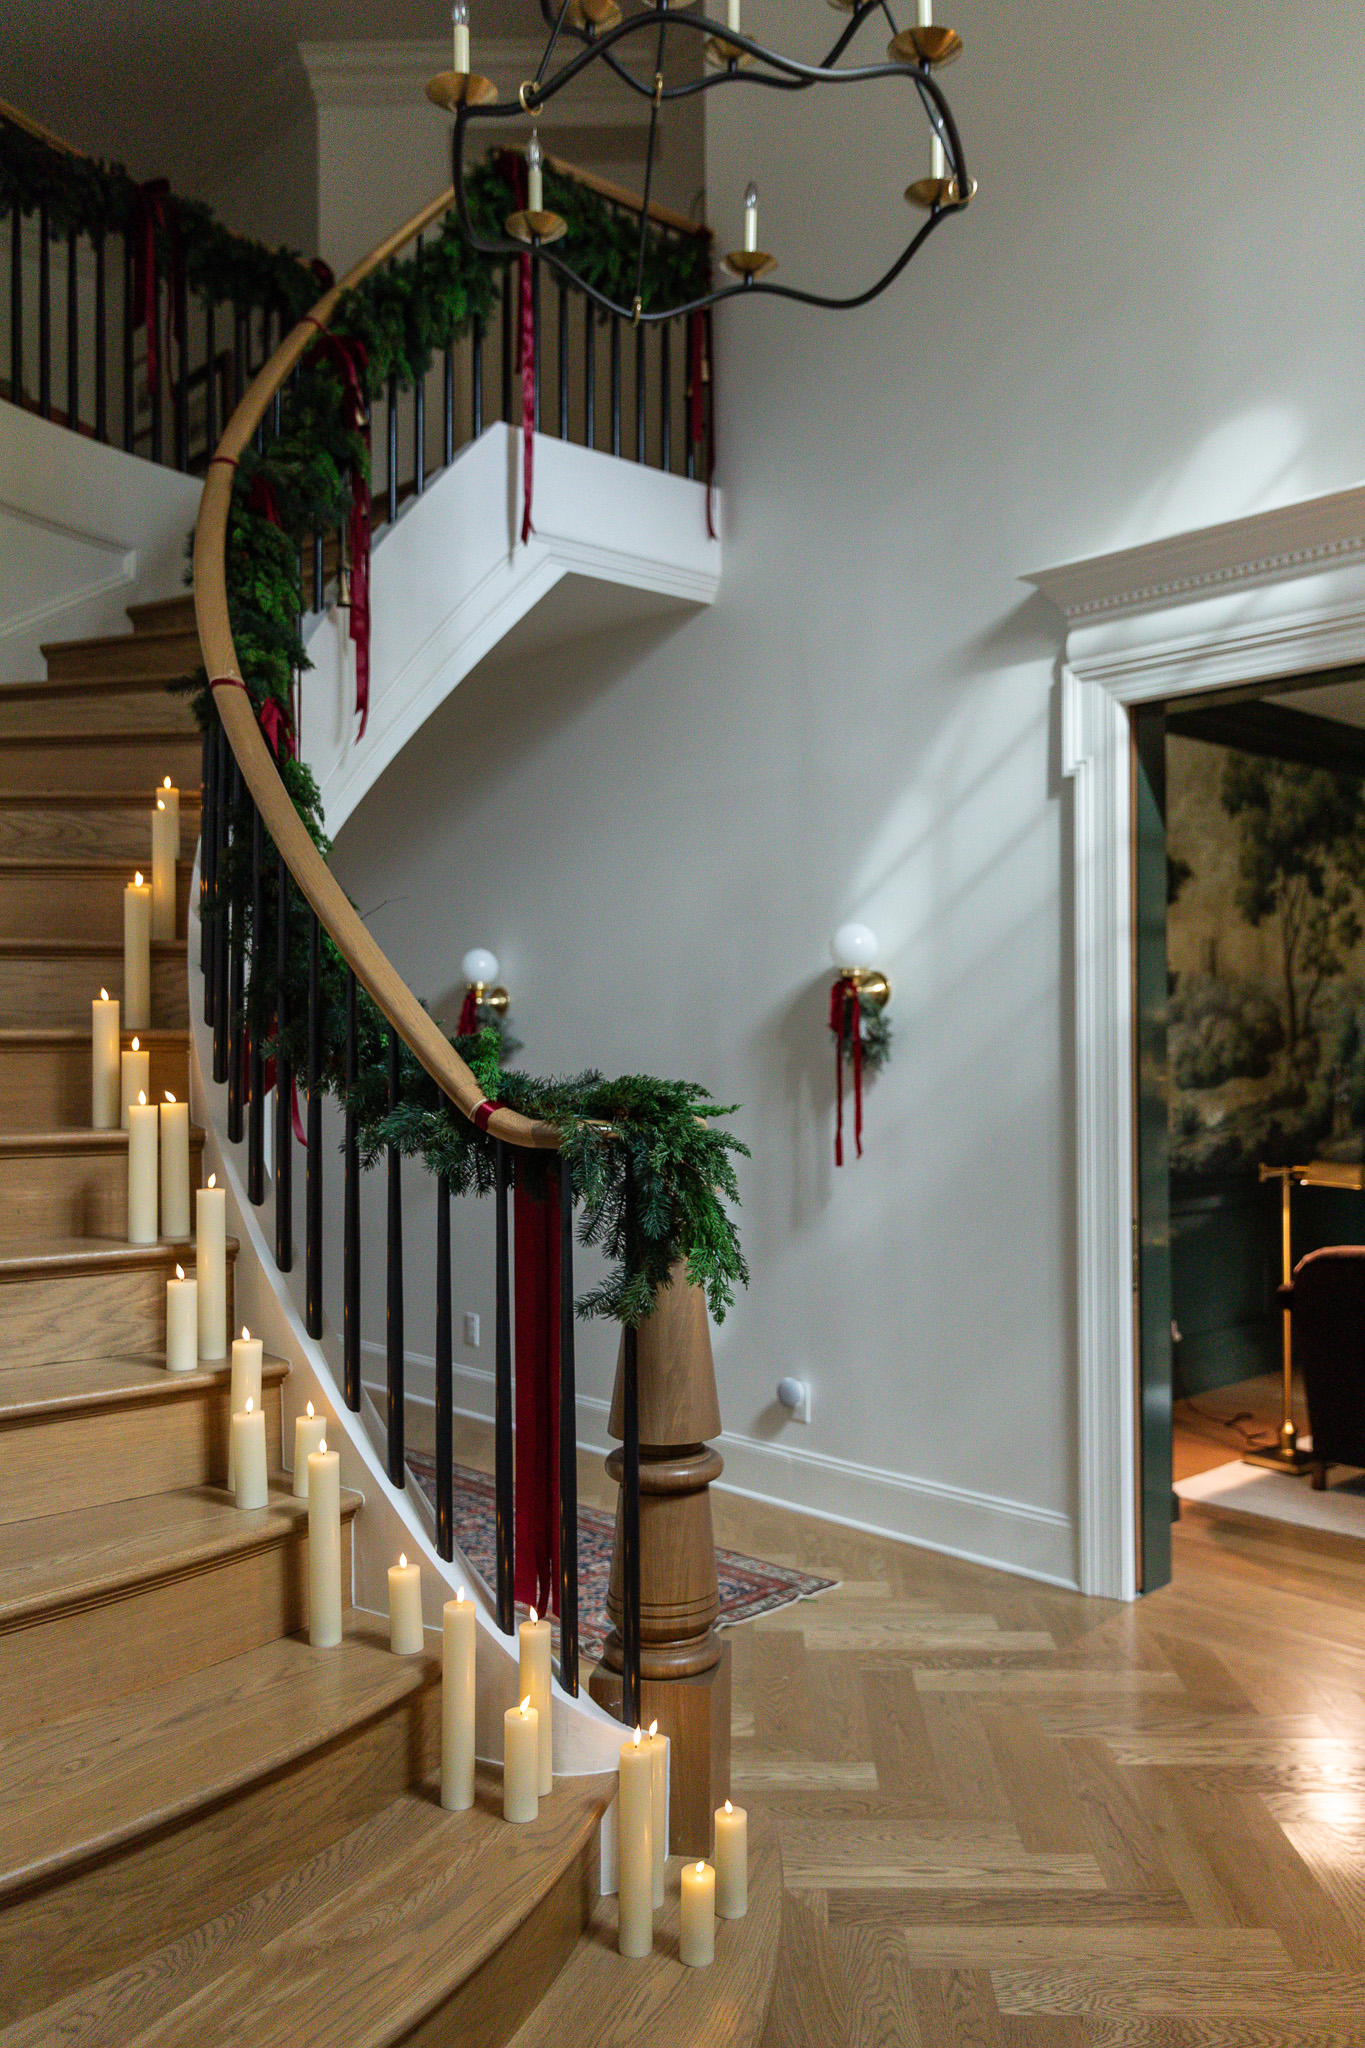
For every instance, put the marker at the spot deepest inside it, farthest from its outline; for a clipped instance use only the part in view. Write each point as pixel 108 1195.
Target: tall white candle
pixel 520 1763
pixel 459 1632
pixel 169 795
pixel 658 1809
pixel 142 1124
pixel 210 1268
pixel 697 1921
pixel 309 1431
pixel 175 1167
pixel 635 1848
pixel 165 839
pixel 137 955
pixel 135 1077
pixel 324 1548
pixel 246 1383
pixel 182 1323
pixel 459 22
pixel 534 1639
pixel 732 1861
pixel 405 1608
pixel 106 1067
pixel 248 1452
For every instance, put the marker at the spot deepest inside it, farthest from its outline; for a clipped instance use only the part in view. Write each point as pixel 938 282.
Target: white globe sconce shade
pixel 479 968
pixel 853 950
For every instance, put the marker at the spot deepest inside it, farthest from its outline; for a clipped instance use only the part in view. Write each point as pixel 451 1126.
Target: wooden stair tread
pixel 359 1944
pixel 41 1390
pixel 147 629
pixel 86 799
pixel 15 1144
pixel 95 1553
pixel 78 1787
pixel 20 1035
pixel 22 1258
pixel 79 864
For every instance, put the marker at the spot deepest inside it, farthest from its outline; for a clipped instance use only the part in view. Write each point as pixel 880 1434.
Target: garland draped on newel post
pixel 349 359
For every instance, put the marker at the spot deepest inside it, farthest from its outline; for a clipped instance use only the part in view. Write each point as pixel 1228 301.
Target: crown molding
pixel 395 73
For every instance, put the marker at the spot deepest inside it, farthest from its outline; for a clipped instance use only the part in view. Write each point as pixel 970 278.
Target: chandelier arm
pixel 649 168
pixel 555 27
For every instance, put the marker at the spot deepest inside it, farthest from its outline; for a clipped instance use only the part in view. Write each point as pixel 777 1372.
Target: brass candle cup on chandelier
pixel 451 89
pixel 536 227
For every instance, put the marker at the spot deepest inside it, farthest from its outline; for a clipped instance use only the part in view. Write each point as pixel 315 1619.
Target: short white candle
pixel 459 23
pixel 142 1128
pixel 459 1633
pixel 324 1548
pixel 697 1921
pixel 165 838
pixel 210 1268
pixel 137 954
pixel 658 1809
pixel 635 1849
pixel 175 1167
pixel 182 1323
pixel 248 1452
pixel 309 1431
pixel 520 1762
pixel 732 1862
pixel 405 1608
pixel 534 1680
pixel 106 1066
pixel 246 1383
pixel 135 1077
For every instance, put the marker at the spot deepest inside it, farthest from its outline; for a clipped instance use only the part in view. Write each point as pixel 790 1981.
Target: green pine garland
pixel 876 1036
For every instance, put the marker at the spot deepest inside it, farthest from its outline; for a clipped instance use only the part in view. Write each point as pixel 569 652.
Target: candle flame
pixel 180 1272
pixel 533 1617
pixel 310 1407
pixel 250 1404
pixel 135 1043
pixel 245 1333
pixel 161 803
pixel 213 1180
pixel 104 995
pixel 402 1560
pixel 167 783
pixel 525 1704
pixel 637 1738
pixel 142 1097
pixel 728 1807
pixel 653 1730
pixel 460 1595
pixel 700 1868
pixel 137 879
pixel 322 1443
pixel 169 1096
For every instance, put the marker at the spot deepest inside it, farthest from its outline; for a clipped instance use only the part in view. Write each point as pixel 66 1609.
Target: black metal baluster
pixel 448 407
pixel 393 448
pixel 154 384
pixel 507 313
pixel 255 1116
pixel 665 396
pixel 589 375
pixel 238 354
pixel 44 317
pixel 394 1310
pixel 477 378
pixel 284 1079
pixel 210 377
pixel 630 1530
pixel 419 434
pixel 616 384
pixel 16 304
pixel 182 382
pixel 445 1379
pixel 318 579
pixel 73 381
pixel 208 863
pixel 640 393
pixel 568 1446
pixel 101 343
pixel 504 1505
pixel 236 976
pixel 221 929
pixel 129 407
pixel 312 1201
pixel 350 1339
pixel 563 362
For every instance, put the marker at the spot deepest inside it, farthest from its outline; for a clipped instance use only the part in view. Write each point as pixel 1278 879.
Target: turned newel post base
pixel 684 1664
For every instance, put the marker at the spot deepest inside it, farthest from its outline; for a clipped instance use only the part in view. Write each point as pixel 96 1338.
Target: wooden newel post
pixel 684 1664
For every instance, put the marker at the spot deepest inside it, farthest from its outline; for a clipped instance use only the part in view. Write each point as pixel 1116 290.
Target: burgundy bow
pixel 846 1020
pixel 469 1016
pixel 153 208
pixel 260 498
pixel 349 359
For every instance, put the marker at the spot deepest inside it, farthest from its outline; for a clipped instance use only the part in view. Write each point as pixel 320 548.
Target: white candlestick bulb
pixel 751 218
pixel 535 185
pixel 459 23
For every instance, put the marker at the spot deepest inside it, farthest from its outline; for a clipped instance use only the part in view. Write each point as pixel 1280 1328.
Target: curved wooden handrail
pixel 309 871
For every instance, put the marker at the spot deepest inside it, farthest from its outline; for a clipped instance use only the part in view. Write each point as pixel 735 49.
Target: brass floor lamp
pixel 1285 1455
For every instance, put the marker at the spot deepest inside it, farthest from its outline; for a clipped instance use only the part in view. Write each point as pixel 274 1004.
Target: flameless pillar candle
pixel 135 1077
pixel 248 1455
pixel 520 1762
pixel 324 1548
pixel 658 1808
pixel 458 1635
pixel 169 795
pixel 246 1383
pixel 459 22
pixel 697 1924
pixel 106 1067
pixel 635 1848
pixel 137 955
pixel 405 1608
pixel 142 1123
pixel 210 1268
pixel 165 846
pixel 732 1862
pixel 534 1638
pixel 309 1430
pixel 182 1323
pixel 175 1167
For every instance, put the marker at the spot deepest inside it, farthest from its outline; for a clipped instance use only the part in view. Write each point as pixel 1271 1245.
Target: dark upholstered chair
pixel 1326 1299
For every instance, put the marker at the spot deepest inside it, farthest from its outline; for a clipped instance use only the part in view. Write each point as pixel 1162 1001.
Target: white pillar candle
pixel 732 1862
pixel 459 1633
pixel 309 1430
pixel 658 1809
pixel 697 1921
pixel 210 1268
pixel 248 1456
pixel 175 1167
pixel 246 1384
pixel 142 1124
pixel 164 850
pixel 405 1608
pixel 459 22
pixel 324 1548
pixel 182 1323
pixel 169 795
pixel 635 1848
pixel 534 1638
pixel 106 1066
pixel 137 954
pixel 135 1077
pixel 520 1762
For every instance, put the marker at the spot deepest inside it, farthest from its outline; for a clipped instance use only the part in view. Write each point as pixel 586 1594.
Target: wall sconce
pixel 853 950
pixel 480 968
pixel 857 1021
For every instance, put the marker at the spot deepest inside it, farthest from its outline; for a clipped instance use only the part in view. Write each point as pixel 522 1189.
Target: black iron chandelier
pixel 586 32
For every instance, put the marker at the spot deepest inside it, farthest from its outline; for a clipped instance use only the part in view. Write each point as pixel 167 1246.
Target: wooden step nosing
pixel 169 1386
pixel 191 798
pixel 64 1144
pixel 138 736
pixel 72 949
pixel 98 865
pixel 108 1257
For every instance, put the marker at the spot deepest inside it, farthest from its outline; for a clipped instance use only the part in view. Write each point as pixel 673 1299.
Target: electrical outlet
pixel 471 1332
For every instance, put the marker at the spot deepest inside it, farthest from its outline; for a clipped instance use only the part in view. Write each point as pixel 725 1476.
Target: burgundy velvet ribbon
pixel 535 1211
pixel 469 1016
pixel 845 1018
pixel 348 359
pixel 513 169
pixel 153 208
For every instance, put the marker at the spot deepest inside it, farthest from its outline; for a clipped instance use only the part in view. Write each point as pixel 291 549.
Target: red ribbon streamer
pixel 469 1016
pixel 348 359
pixel 535 1210
pixel 845 1020
pixel 153 208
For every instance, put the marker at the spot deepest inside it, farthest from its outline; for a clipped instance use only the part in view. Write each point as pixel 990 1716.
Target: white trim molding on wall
pixel 1276 595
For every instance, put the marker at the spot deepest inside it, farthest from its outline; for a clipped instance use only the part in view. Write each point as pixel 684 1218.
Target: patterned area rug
pixel 748 1586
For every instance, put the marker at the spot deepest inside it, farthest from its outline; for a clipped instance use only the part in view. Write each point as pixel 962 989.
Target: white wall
pixel 1149 319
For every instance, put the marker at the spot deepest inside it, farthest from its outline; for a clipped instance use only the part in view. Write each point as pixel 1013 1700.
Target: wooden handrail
pixel 619 196
pixel 17 118
pixel 309 871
